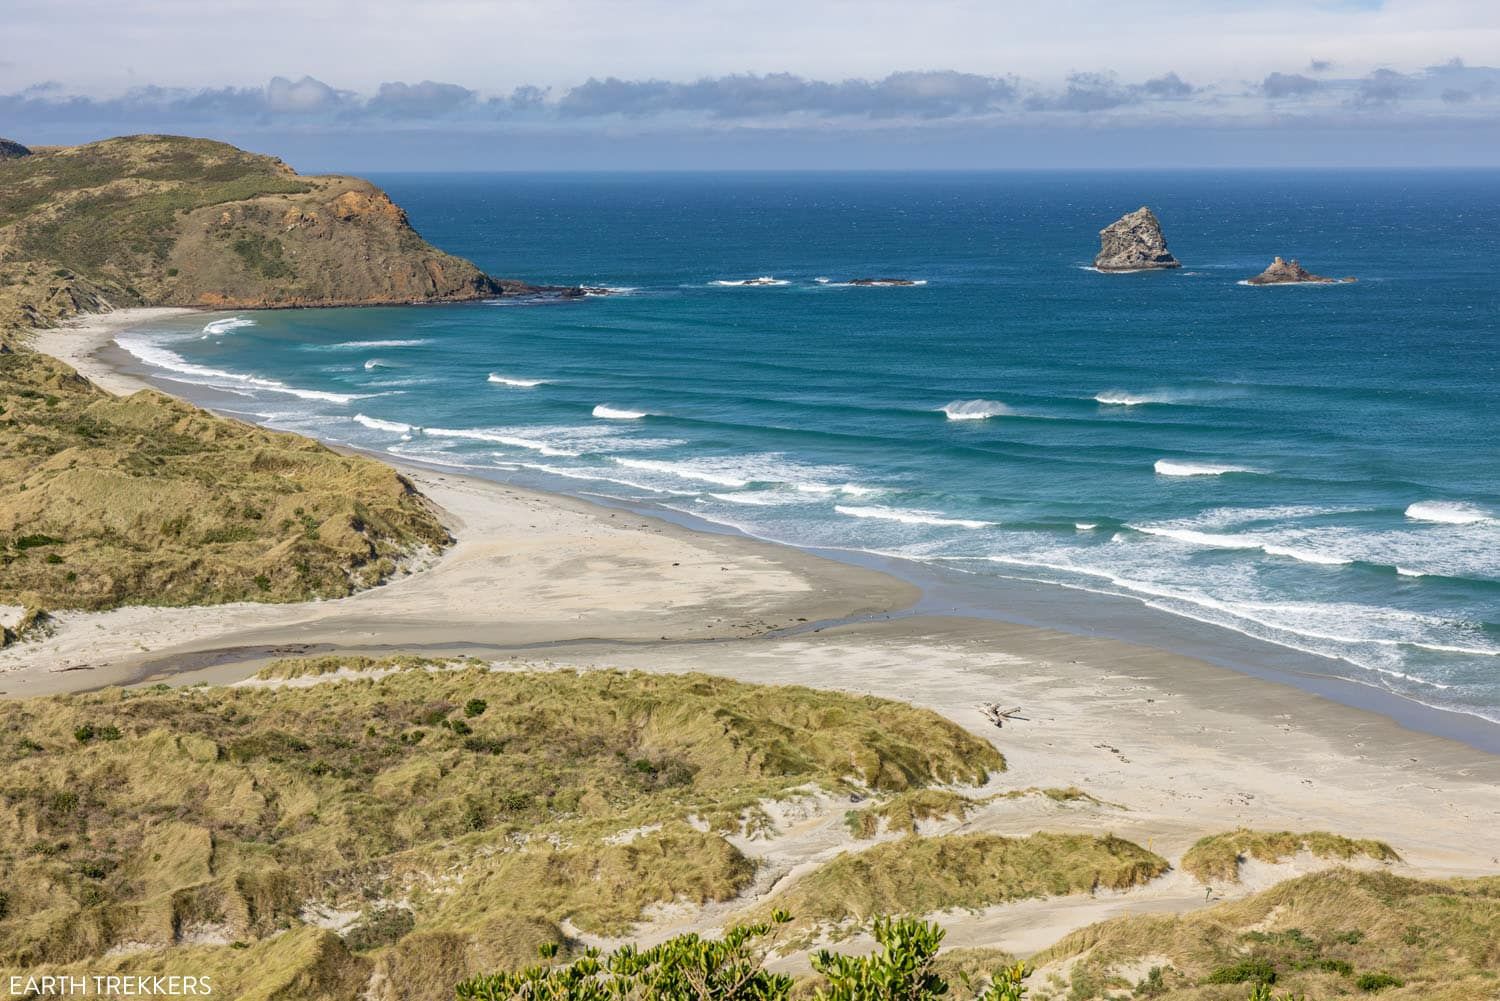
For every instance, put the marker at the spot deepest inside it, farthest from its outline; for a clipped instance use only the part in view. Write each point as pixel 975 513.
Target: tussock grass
pixel 922 875
pixel 903 811
pixel 432 802
pixel 1317 935
pixel 1217 858
pixel 106 501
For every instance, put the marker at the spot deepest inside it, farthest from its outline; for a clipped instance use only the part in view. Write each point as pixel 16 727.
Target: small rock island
pixel 1134 242
pixel 1284 272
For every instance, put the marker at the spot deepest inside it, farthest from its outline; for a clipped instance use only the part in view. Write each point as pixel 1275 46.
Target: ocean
pixel 1314 467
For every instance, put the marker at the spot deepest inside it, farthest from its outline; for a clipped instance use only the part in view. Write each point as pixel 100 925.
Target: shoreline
pixel 1187 747
pixel 1009 599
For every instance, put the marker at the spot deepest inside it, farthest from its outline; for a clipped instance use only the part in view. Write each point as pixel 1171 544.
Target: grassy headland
pixel 173 221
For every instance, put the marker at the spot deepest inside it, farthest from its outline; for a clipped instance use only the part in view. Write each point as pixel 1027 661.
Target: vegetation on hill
pixel 922 875
pixel 1336 933
pixel 173 221
pixel 107 501
pixel 440 820
pixel 1218 857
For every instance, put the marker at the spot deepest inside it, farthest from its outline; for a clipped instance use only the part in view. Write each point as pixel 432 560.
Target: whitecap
pixel 500 437
pixel 1448 512
pixel 616 414
pixel 907 517
pixel 501 380
pixel 217 327
pixel 1216 540
pixel 1168 467
pixel 974 410
pixel 376 424
pixel 155 355
pixel 357 345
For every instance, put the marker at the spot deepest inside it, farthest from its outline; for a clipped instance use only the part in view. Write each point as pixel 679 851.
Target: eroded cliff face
pixel 170 221
pixel 1134 242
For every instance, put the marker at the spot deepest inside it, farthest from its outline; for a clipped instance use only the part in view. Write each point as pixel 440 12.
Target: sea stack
pixel 1134 243
pixel 1283 272
pixel 12 150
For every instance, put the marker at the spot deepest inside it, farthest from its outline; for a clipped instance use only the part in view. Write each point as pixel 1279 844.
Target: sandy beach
pixel 1173 748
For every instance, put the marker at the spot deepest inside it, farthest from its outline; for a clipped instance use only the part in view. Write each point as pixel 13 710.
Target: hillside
pixel 147 500
pixel 172 221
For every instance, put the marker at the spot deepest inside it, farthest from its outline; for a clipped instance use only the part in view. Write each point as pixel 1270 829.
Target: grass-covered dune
pixel 1333 934
pixel 107 501
pixel 173 221
pixel 435 820
pixel 1218 857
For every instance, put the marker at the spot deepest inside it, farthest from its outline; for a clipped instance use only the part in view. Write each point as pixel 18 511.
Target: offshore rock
pixel 1283 272
pixel 1134 243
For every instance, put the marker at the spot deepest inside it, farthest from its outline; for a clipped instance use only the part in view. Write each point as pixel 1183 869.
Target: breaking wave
pixel 1448 513
pixel 906 517
pixel 225 326
pixel 974 410
pixel 615 414
pixel 501 380
pixel 154 354
pixel 1168 467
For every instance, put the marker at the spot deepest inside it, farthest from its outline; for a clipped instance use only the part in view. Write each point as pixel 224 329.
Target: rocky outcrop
pixel 1284 272
pixel 12 150
pixel 1134 243
pixel 243 231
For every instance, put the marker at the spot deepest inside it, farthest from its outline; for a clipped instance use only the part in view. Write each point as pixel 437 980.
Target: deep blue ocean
pixel 1314 466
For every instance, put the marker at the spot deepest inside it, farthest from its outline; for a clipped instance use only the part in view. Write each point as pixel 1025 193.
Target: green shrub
pixel 475 707
pixel 1246 971
pixel 1376 981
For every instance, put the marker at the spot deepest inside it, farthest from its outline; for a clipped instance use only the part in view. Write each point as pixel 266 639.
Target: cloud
pixel 1382 87
pixel 1279 85
pixel 1319 65
pixel 937 94
pixel 419 100
pixel 1168 86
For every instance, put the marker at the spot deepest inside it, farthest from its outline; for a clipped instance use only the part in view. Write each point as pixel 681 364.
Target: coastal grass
pixel 413 807
pixel 1218 857
pixel 108 501
pixel 1337 933
pixel 923 875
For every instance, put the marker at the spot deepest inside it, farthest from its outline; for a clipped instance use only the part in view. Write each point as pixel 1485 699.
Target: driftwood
pixel 997 715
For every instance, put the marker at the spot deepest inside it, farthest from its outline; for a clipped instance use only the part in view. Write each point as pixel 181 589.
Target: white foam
pixel 375 363
pixel 1085 526
pixel 741 282
pixel 376 424
pixel 907 517
pixel 500 437
pixel 501 380
pixel 1448 513
pixel 974 410
pixel 152 353
pixel 217 327
pixel 615 414
pixel 1404 572
pixel 1215 540
pixel 357 345
pixel 1118 398
pixel 1168 467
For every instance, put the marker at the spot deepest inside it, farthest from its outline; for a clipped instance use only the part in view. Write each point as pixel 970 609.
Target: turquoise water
pixel 1313 466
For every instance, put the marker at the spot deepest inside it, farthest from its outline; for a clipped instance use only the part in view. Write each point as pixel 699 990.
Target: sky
pixel 811 84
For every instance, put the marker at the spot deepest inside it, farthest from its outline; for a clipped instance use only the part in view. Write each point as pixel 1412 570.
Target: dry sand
pixel 1175 747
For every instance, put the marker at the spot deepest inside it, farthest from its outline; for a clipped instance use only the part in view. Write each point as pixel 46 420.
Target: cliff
pixel 1134 242
pixel 171 221
pixel 1284 272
